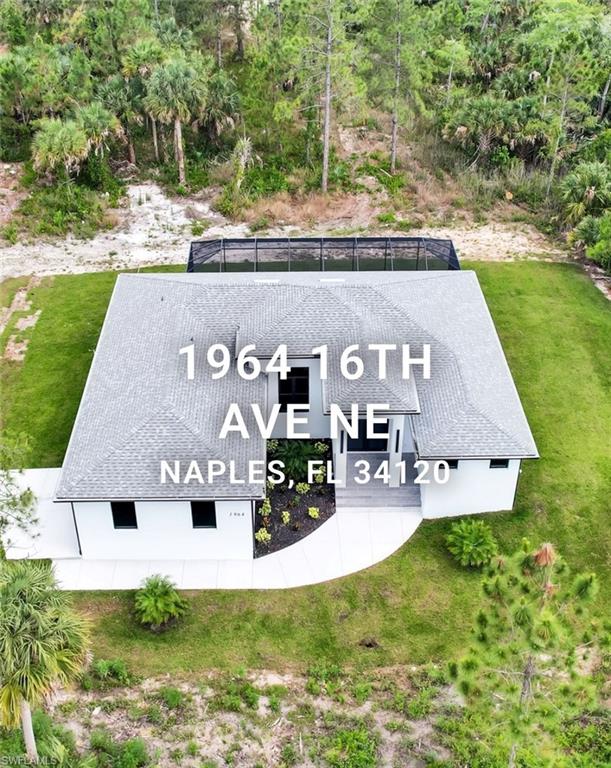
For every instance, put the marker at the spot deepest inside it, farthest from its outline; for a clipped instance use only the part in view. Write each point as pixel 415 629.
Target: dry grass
pixel 314 209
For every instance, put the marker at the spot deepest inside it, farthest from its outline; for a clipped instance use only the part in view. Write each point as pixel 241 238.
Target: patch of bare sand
pixel 497 242
pixel 16 347
pixel 253 736
pixel 154 229
pixel 11 192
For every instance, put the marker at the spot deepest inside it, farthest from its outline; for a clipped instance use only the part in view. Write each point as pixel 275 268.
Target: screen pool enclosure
pixel 303 254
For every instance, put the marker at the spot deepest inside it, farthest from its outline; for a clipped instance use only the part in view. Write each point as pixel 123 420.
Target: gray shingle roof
pixel 139 408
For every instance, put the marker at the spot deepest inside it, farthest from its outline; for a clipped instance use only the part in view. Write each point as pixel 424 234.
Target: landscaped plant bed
pixel 288 514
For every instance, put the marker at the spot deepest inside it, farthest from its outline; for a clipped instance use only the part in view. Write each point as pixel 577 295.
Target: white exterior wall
pixel 165 532
pixel 318 424
pixel 408 440
pixel 473 487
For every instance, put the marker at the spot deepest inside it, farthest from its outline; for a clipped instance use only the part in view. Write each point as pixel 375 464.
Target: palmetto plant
pixel 471 542
pixel 158 603
pixel 176 93
pixel 99 125
pixel 66 144
pixel 586 190
pixel 222 105
pixel 59 144
pixel 42 642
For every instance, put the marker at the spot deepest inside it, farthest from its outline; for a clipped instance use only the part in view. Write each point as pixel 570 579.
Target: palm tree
pixel 176 93
pixel 99 125
pixel 138 63
pixel 42 643
pixel 59 144
pixel 119 96
pixel 222 105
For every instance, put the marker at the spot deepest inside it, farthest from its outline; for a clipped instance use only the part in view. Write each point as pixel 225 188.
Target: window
pixel 123 514
pixel 203 514
pixel 295 389
pixel 499 463
pixel 452 463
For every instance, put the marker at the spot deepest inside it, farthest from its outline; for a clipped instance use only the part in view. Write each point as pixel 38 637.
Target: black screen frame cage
pixel 321 254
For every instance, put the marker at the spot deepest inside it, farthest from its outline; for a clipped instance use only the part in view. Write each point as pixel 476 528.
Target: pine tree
pixel 521 670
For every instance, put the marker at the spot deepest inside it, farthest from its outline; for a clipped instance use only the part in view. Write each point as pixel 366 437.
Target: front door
pixel 364 444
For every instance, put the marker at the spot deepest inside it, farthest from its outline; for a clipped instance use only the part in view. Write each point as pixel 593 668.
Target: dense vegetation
pixel 511 93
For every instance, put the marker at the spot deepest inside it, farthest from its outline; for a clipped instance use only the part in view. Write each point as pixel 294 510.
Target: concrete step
pixel 402 498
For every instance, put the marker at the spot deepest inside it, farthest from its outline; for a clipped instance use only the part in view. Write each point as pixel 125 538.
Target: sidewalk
pixel 349 541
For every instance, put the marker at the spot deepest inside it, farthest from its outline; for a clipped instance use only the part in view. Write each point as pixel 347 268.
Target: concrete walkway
pixel 349 541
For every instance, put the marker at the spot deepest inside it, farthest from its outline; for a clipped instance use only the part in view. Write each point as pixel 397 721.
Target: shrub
pixel 288 755
pixel 63 208
pixel 353 748
pixel 601 250
pixel 263 536
pixel 101 741
pixel 96 174
pixel 134 754
pixel 386 218
pixel 586 190
pixel 258 224
pixel 262 180
pixel 302 488
pixel 10 233
pixel 314 512
pixel 266 507
pixel 587 231
pixel 320 476
pixel 471 542
pixel 236 694
pixel 199 227
pixel 113 672
pixel 286 516
pixel 173 698
pixel 295 455
pixel 158 603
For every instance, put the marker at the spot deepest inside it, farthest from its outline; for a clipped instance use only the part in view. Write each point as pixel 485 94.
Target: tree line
pixel 519 88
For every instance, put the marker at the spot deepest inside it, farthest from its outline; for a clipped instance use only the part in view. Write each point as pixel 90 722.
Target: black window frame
pixel 289 389
pixel 499 463
pixel 118 508
pixel 211 505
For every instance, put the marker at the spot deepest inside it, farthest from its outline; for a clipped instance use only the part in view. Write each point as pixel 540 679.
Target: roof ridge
pixel 464 388
pixel 352 388
pixel 166 408
pixel 308 293
pixel 114 448
pixel 243 320
pixel 196 433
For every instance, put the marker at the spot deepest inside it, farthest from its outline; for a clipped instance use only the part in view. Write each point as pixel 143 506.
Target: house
pixel 144 424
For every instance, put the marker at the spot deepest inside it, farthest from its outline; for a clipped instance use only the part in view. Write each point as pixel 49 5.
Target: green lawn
pixel 556 331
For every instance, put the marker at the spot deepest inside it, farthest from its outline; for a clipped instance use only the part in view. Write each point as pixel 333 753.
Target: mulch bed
pixel 301 524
